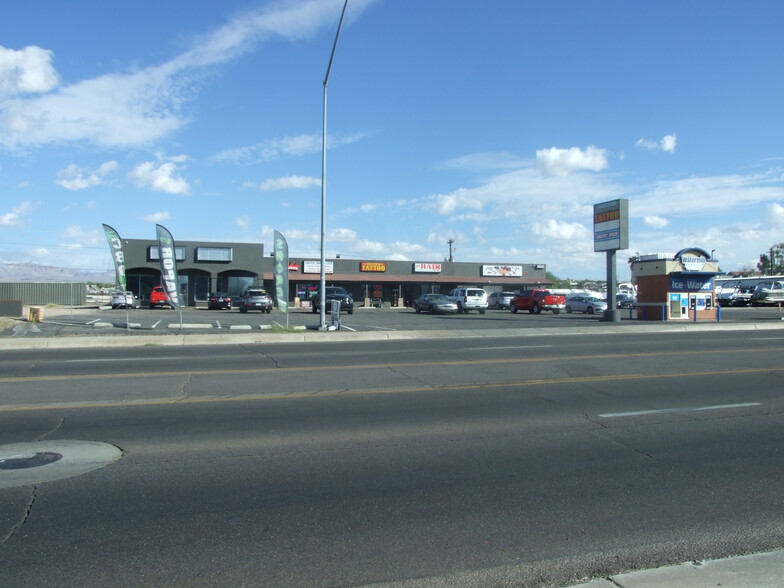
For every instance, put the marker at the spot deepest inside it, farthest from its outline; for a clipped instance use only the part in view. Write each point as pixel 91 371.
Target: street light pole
pixel 323 282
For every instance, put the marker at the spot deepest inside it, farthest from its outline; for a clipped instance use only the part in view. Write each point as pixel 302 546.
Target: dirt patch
pixel 6 323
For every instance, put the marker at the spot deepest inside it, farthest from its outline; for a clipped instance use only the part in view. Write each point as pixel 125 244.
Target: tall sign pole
pixel 611 233
pixel 323 280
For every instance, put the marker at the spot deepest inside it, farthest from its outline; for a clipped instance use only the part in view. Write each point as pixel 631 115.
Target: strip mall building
pixel 206 267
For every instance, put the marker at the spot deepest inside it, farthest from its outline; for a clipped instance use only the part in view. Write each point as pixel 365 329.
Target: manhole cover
pixel 39 459
pixel 23 464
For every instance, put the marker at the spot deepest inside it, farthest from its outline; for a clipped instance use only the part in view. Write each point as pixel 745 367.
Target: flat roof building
pixel 206 267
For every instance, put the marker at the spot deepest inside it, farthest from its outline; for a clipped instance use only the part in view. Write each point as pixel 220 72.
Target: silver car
pixel 586 304
pixel 123 300
pixel 435 303
pixel 499 300
pixel 256 299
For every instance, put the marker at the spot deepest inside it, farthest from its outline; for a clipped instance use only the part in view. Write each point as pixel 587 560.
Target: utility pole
pixel 450 243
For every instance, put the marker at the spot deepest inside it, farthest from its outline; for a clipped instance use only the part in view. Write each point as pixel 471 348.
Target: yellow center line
pixel 368 392
pixel 374 366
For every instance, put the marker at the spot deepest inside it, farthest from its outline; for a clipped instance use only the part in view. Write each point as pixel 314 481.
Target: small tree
pixel 772 261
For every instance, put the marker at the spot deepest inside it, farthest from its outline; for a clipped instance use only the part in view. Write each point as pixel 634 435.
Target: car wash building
pixel 676 287
pixel 205 267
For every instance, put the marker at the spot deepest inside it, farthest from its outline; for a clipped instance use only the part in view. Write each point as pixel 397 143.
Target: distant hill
pixel 34 272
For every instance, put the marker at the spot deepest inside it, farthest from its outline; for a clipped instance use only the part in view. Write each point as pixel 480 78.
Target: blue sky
pixel 498 124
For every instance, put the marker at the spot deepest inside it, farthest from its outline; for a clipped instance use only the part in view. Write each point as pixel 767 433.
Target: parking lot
pixel 96 321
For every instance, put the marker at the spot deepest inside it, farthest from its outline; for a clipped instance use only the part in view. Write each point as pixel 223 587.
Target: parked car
pixel 333 293
pixel 535 301
pixel 219 300
pixel 499 300
pixel 158 298
pixel 435 303
pixel 123 300
pixel 625 301
pixel 469 299
pixel 255 299
pixel 586 304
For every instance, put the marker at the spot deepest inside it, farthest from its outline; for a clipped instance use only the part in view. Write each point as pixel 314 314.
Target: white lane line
pixel 156 323
pixel 218 325
pixel 612 415
pixel 510 347
pixel 348 328
pixel 92 321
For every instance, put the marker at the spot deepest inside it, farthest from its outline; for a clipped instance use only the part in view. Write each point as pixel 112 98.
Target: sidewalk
pixel 761 570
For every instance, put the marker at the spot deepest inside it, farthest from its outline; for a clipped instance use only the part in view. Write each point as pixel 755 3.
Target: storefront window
pixel 306 291
pixel 238 284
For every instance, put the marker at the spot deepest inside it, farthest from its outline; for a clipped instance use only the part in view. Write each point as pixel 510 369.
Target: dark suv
pixel 333 293
pixel 256 299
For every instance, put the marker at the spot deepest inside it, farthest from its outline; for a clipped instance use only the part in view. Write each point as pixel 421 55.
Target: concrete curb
pixel 313 336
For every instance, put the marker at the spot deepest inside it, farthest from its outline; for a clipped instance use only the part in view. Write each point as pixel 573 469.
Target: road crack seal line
pixel 57 426
pixel 262 354
pixel 184 395
pixel 25 516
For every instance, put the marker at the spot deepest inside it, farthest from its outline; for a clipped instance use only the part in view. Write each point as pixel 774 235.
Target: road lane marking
pixel 457 362
pixel 333 394
pixel 613 415
pixel 509 347
pixel 156 323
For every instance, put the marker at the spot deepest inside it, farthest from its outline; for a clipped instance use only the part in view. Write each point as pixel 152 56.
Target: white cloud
pixel 707 194
pixel 562 162
pixel 459 199
pixel 289 182
pixel 26 71
pixel 657 222
pixel 667 143
pixel 556 230
pixel 138 108
pixel 76 178
pixel 160 176
pixel 81 237
pixel 484 161
pixel 341 235
pixel 511 252
pixel 774 214
pixel 157 217
pixel 242 222
pixel 14 218
pixel 294 146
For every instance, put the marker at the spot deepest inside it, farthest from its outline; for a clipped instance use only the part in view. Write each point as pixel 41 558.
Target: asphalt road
pixel 470 461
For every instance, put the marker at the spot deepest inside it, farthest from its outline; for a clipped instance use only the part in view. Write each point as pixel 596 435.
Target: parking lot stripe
pixel 674 410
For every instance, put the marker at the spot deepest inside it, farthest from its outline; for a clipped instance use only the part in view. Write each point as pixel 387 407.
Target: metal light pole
pixel 323 282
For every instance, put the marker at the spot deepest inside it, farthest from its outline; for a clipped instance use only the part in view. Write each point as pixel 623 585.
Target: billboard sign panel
pixel 503 271
pixel 611 225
